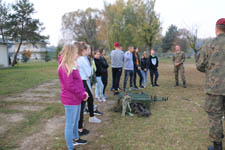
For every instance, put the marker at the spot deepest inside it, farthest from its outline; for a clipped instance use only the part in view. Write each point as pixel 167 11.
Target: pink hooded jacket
pixel 72 89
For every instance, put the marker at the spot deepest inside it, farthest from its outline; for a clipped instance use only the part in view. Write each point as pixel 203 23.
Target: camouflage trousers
pixel 214 106
pixel 176 72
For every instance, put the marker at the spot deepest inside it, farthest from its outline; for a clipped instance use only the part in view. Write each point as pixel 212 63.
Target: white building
pixel 4 59
pixel 37 51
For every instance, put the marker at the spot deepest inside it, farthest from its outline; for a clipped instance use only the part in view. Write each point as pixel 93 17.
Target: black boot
pixel 184 84
pixel 216 146
pixel 177 84
pixel 156 84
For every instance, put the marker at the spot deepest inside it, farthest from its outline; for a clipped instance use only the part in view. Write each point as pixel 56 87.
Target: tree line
pixel 18 25
pixel 131 22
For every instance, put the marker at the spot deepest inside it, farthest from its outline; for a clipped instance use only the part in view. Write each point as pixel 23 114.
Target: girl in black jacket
pixel 104 70
pixel 144 68
pixel 137 68
pixel 99 71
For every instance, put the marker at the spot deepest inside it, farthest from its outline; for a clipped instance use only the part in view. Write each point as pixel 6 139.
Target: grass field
pixel 178 124
pixel 24 76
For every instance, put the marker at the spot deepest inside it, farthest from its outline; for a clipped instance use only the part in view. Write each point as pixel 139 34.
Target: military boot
pixel 216 146
pixel 184 84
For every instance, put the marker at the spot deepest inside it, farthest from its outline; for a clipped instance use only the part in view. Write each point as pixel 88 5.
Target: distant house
pixel 4 57
pixel 37 51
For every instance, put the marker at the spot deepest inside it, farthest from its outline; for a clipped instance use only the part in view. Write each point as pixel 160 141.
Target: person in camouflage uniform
pixel 178 61
pixel 211 60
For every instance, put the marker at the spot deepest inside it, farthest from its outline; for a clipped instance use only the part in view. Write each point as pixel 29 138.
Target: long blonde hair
pixel 68 58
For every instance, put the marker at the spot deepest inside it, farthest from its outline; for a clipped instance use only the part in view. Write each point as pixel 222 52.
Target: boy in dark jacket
pixel 153 67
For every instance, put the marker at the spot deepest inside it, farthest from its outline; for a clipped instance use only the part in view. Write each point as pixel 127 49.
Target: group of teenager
pixel 133 66
pixel 79 69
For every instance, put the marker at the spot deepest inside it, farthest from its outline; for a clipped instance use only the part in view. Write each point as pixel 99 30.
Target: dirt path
pixel 34 100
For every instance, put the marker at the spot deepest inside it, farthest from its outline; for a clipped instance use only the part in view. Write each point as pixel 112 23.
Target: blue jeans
pixel 99 87
pixel 145 77
pixel 127 74
pixel 71 128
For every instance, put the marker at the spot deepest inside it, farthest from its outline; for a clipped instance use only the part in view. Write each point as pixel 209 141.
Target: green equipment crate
pixel 141 97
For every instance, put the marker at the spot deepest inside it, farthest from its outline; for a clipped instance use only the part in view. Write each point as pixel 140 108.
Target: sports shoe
pixel 141 86
pixel 103 99
pixel 98 113
pixel 79 142
pixel 86 111
pixel 84 132
pixel 98 99
pixel 94 120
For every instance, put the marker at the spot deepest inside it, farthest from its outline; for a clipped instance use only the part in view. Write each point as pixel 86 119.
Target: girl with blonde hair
pixel 72 94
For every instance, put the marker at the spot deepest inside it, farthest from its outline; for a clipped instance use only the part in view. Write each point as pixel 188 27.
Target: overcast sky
pixel 182 13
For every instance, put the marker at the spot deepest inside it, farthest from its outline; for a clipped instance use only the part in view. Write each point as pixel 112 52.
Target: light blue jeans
pixel 145 77
pixel 71 128
pixel 99 87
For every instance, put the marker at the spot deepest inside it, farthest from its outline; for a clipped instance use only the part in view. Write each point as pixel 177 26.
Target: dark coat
pixel 144 63
pixel 99 67
pixel 104 65
pixel 151 65
pixel 135 61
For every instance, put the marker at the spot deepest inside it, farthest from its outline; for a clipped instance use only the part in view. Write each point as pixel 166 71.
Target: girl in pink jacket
pixel 72 94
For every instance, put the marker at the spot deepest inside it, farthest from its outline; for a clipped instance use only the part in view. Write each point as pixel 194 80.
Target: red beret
pixel 221 21
pixel 116 44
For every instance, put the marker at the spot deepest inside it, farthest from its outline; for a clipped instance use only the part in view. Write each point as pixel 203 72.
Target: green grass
pixel 33 123
pixel 24 76
pixel 177 124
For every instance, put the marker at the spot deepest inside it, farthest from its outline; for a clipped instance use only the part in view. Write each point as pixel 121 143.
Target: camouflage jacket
pixel 179 58
pixel 211 60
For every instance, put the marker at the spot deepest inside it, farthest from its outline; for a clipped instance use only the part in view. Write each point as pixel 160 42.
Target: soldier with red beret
pixel 211 60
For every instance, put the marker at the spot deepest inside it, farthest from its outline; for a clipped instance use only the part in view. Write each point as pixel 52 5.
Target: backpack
pixel 140 109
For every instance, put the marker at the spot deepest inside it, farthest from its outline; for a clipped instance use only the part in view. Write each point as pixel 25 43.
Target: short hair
pixel 221 27
pixel 130 47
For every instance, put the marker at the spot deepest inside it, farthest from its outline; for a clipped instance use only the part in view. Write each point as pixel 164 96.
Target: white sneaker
pixel 99 99
pixel 94 120
pixel 103 99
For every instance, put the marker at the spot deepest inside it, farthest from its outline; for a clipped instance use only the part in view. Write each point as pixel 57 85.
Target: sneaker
pixel 103 99
pixel 112 89
pixel 156 84
pixel 94 120
pixel 79 142
pixel 86 111
pixel 141 86
pixel 98 99
pixel 98 113
pixel 84 132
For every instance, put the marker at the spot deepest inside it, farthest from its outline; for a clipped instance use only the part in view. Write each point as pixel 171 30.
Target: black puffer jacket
pixel 99 67
pixel 104 65
pixel 144 63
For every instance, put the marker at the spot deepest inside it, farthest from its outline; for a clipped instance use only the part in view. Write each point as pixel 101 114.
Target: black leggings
pixel 104 80
pixel 90 102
